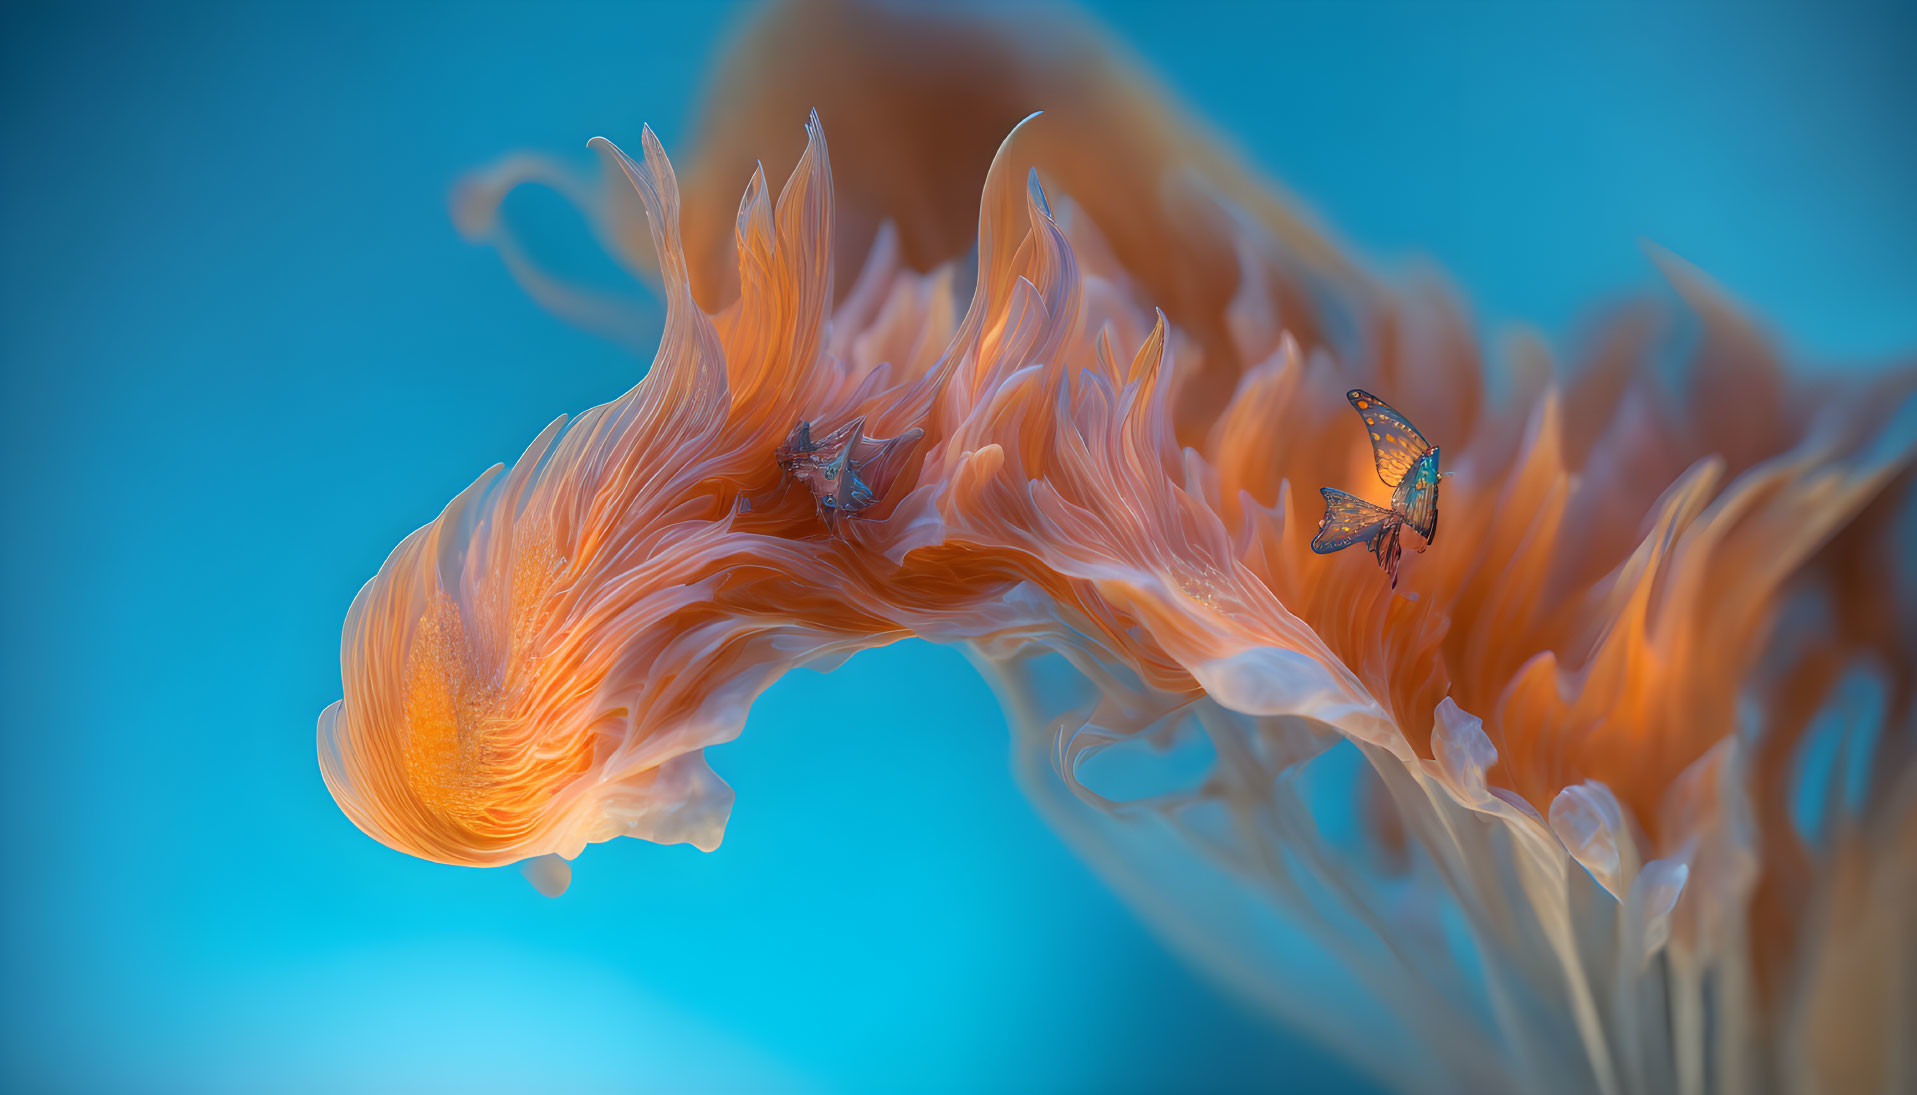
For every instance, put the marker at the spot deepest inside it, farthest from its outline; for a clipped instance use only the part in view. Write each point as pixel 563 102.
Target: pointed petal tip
pixel 613 154
pixel 1685 276
pixel 649 141
pixel 1012 133
pixel 1288 347
pixel 1656 251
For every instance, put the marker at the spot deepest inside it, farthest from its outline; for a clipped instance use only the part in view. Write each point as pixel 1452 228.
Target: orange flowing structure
pixel 1524 823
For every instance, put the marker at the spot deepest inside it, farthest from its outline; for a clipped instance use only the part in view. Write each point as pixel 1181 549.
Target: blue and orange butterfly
pixel 1409 465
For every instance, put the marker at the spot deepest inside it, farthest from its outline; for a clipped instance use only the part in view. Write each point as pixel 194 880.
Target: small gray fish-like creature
pixel 845 468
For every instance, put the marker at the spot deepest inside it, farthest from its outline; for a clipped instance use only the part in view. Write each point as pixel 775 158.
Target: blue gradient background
pixel 245 353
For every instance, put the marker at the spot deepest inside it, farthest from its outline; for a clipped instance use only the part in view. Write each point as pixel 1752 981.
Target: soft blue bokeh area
pixel 244 353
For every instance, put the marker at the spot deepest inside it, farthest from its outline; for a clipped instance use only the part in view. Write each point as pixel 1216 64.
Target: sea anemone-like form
pixel 1538 815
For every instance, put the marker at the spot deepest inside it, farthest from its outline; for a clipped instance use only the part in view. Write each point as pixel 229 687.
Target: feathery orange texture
pixel 543 665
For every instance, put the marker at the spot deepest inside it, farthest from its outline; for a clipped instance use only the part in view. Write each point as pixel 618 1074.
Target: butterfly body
pixel 1408 464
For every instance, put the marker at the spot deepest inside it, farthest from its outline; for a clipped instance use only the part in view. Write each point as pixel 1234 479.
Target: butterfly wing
pixel 1395 443
pixel 1417 496
pixel 1349 521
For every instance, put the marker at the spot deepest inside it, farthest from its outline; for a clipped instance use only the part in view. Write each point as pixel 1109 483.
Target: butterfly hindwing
pixel 1395 443
pixel 1349 521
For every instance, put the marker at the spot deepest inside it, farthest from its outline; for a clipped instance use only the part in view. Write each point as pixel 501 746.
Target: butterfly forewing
pixel 1349 521
pixel 1417 496
pixel 1395 443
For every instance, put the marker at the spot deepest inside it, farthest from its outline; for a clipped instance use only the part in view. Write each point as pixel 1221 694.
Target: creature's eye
pixel 828 503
